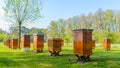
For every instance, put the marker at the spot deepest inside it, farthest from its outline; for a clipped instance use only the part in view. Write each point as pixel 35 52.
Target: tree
pixel 3 35
pixel 109 22
pixel 14 31
pixel 90 20
pixel 61 24
pixel 83 21
pixel 2 31
pixel 99 20
pixel 35 30
pixel 54 29
pixel 22 12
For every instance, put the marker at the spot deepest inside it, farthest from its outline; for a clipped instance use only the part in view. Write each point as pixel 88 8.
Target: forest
pixel 106 24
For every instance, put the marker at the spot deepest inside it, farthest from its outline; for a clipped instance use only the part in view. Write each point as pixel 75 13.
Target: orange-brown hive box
pixel 14 43
pixel 106 44
pixel 38 42
pixel 83 43
pixel 54 46
pixel 8 43
pixel 25 42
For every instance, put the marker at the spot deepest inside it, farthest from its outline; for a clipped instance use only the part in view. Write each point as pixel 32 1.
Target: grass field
pixel 17 59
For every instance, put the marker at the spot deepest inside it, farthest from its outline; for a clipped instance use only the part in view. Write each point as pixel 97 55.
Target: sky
pixel 56 9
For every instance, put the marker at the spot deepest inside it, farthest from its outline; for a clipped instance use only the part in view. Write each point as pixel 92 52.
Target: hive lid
pixel 26 35
pixel 83 30
pixel 14 39
pixel 55 39
pixel 36 34
pixel 107 38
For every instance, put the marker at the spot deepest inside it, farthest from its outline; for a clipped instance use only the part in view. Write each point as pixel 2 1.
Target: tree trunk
pixel 19 37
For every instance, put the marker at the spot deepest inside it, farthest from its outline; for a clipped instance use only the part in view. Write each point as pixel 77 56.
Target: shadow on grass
pixel 66 55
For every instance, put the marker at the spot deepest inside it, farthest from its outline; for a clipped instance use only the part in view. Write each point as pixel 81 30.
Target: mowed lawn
pixel 17 59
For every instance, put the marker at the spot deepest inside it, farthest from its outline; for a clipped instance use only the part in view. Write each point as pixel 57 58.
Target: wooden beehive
pixel 106 44
pixel 25 41
pixel 83 42
pixel 14 43
pixel 54 46
pixel 38 42
pixel 8 42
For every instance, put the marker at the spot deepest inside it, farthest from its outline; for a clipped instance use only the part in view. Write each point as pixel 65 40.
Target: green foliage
pixel 37 31
pixel 115 37
pixel 99 36
pixel 3 36
pixel 22 12
pixel 13 36
pixel 68 38
pixel 105 24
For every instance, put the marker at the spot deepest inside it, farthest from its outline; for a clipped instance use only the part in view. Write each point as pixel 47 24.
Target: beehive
pixel 14 43
pixel 54 46
pixel 83 42
pixel 38 42
pixel 8 43
pixel 106 44
pixel 25 42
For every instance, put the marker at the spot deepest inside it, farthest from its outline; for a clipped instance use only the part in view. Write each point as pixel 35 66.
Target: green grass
pixel 17 59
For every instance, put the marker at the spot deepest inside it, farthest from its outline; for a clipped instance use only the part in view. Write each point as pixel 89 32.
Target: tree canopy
pixel 106 24
pixel 22 12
